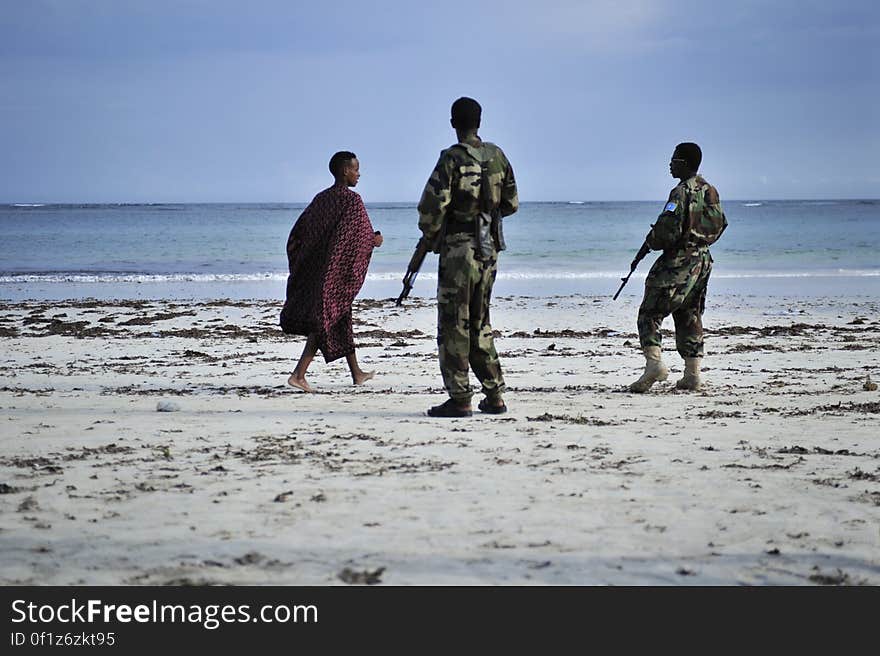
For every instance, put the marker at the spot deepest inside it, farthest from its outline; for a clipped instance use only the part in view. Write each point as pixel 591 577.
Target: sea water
pixel 808 248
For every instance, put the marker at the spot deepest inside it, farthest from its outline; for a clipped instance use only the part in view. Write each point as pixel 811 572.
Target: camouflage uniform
pixel 691 221
pixel 451 203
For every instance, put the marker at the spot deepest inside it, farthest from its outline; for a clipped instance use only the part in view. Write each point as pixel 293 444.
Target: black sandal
pixel 449 409
pixel 490 408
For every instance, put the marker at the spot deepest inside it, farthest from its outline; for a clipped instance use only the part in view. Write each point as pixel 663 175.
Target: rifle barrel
pixel 622 285
pixel 643 251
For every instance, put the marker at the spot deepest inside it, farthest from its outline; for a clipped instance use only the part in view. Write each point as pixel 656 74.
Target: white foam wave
pixel 83 278
pixel 840 273
pixel 28 204
pixel 140 278
pixel 752 204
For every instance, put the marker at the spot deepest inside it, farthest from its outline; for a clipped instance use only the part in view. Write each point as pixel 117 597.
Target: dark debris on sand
pixel 161 316
pixel 580 419
pixel 818 450
pixel 870 407
pixel 839 577
pixel 364 577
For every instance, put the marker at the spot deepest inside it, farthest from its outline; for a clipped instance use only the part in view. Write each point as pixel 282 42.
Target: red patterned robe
pixel 328 252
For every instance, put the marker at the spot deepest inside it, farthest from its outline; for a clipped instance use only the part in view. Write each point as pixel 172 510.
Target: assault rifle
pixel 412 270
pixel 643 251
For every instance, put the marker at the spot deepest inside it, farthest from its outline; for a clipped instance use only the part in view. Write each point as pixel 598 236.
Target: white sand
pixel 771 475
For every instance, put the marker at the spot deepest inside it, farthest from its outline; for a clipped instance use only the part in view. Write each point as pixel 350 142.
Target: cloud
pixel 601 26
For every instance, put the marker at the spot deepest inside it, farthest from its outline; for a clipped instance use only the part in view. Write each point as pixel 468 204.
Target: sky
pixel 227 101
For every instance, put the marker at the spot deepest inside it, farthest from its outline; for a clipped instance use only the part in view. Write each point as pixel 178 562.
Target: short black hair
pixel 466 114
pixel 690 153
pixel 339 161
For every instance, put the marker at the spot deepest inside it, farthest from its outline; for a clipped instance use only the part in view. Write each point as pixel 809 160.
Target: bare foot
pixel 362 377
pixel 295 381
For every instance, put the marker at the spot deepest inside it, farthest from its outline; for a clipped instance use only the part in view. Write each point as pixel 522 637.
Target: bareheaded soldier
pixel 471 188
pixel 691 221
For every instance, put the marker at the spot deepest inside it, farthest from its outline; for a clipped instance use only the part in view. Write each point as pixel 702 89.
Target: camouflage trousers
pixel 681 292
pixel 464 332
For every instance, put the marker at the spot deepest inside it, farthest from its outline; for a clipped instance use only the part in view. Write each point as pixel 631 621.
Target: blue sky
pixel 215 101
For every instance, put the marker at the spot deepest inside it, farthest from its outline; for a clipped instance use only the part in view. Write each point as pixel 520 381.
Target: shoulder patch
pixel 670 206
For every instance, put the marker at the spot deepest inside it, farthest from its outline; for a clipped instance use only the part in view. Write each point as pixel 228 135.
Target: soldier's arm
pixel 509 197
pixel 713 215
pixel 435 199
pixel 666 232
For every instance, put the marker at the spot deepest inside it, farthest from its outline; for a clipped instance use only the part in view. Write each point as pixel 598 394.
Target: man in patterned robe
pixel 328 252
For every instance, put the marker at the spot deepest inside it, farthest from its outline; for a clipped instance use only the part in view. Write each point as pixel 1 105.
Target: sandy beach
pixel 156 442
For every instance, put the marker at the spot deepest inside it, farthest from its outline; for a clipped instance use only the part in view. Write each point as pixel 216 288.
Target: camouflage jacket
pixel 692 217
pixel 453 190
pixel 691 220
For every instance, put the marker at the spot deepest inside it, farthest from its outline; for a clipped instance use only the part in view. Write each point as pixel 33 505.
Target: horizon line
pixel 572 201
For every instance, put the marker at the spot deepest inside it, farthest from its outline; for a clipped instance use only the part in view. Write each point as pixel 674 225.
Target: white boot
pixel 655 370
pixel 691 379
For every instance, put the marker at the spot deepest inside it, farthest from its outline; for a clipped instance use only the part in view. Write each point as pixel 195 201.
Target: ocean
pixel 54 251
